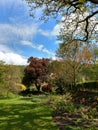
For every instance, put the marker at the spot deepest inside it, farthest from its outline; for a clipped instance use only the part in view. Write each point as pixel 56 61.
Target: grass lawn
pixel 26 114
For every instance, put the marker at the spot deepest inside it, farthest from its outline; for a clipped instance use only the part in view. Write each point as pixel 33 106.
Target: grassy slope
pixel 25 114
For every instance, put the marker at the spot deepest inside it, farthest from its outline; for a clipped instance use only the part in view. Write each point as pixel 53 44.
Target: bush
pixel 88 86
pixel 61 86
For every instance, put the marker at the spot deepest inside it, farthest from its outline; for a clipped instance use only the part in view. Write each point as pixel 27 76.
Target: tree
pixel 58 78
pixel 12 78
pixel 95 55
pixel 2 73
pixel 74 55
pixel 9 77
pixel 36 72
pixel 81 13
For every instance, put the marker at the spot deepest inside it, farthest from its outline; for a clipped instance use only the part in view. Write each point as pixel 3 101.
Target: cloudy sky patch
pixel 21 36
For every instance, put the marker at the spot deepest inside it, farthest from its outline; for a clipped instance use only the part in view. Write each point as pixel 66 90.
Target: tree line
pixel 10 79
pixel 76 63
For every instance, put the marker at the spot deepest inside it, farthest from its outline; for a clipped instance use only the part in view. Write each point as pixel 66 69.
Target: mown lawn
pixel 26 114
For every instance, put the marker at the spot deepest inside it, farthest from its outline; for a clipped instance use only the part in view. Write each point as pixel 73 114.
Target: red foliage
pixel 47 88
pixel 36 72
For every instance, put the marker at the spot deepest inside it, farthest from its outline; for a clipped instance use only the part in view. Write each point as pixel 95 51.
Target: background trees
pixel 9 77
pixel 74 56
pixel 12 78
pixel 79 23
pixel 36 72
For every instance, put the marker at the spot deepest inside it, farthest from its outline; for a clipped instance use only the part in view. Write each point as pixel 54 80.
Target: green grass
pixel 26 114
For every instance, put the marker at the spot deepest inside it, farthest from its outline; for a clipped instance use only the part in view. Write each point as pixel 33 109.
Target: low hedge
pixel 93 85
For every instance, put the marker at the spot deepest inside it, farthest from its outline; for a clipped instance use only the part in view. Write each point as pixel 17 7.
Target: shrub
pixel 61 85
pixel 93 85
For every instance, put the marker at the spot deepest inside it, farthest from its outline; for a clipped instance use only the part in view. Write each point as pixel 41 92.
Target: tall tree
pixel 12 78
pixel 74 12
pixel 75 55
pixel 9 77
pixel 36 72
pixel 95 55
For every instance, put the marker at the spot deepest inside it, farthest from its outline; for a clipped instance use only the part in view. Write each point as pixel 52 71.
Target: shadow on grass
pixel 24 115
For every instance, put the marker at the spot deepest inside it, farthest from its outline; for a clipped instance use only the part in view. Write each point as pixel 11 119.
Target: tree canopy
pixel 10 76
pixel 79 13
pixel 36 72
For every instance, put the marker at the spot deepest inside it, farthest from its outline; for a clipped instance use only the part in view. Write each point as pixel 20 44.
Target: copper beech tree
pixel 78 16
pixel 36 72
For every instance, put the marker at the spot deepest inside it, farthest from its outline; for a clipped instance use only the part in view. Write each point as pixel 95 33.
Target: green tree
pixel 95 55
pixel 68 52
pixel 74 55
pixel 81 12
pixel 12 78
pixel 2 73
pixel 91 71
pixel 58 78
pixel 9 77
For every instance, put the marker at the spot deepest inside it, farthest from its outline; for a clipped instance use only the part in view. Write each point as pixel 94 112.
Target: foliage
pixel 57 65
pixel 21 86
pixel 89 72
pixel 61 85
pixel 91 85
pixel 36 72
pixel 74 55
pixel 9 77
pixel 77 15
pixel 75 116
pixel 46 88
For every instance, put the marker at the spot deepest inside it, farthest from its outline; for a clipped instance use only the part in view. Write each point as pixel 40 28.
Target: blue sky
pixel 21 36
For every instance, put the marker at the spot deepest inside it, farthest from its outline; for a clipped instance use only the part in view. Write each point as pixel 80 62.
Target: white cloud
pixel 13 58
pixel 52 33
pixel 37 47
pixel 40 47
pixel 14 33
pixel 6 2
pixel 12 4
pixel 27 43
pixel 10 57
pixel 46 33
pixel 20 34
pixel 4 48
pixel 56 29
pixel 48 52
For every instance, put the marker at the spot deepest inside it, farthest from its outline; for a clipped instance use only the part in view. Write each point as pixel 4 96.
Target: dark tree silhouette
pixel 36 72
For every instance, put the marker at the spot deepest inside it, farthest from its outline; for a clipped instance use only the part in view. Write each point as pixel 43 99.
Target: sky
pixel 22 36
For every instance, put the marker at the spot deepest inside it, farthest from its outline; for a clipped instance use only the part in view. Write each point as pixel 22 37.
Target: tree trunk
pixel 38 86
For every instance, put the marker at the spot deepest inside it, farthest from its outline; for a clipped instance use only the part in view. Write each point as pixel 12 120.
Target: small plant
pixel 67 97
pixel 92 113
pixel 71 109
pixel 68 127
pixel 60 106
pixel 84 116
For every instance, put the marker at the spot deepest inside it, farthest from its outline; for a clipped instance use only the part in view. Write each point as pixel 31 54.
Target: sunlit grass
pixel 26 114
